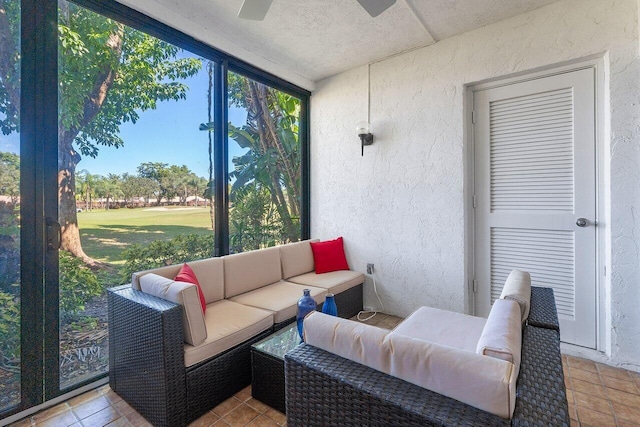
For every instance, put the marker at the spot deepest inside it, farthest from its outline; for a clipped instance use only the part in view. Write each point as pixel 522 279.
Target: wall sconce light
pixel 366 138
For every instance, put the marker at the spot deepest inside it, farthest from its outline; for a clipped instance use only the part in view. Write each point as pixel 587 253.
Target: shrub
pixel 9 330
pixel 9 248
pixel 184 248
pixel 78 284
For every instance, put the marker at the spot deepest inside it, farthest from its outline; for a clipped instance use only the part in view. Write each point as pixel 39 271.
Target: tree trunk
pixel 68 158
pixel 68 217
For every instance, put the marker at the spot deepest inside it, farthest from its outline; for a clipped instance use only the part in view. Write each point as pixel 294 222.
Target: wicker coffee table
pixel 267 366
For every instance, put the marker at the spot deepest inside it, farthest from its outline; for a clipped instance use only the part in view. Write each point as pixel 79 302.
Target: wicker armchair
pixel 323 389
pixel 147 361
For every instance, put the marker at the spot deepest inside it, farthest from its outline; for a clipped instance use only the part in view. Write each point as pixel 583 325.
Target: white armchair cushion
pixel 443 327
pixel 355 341
pixel 517 287
pixel 502 334
pixel 184 294
pixel 483 382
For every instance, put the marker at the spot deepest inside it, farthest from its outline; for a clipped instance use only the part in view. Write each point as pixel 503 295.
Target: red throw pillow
pixel 329 256
pixel 186 274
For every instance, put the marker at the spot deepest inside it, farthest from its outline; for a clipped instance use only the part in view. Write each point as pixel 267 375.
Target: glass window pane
pixel 9 205
pixel 264 165
pixel 135 126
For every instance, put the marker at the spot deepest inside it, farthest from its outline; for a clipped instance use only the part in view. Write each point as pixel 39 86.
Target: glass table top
pixel 279 342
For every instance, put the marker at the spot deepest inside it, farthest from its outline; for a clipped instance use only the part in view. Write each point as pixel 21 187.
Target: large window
pixel 10 369
pixel 158 154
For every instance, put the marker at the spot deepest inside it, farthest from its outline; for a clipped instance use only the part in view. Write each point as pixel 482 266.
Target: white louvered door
pixel 535 176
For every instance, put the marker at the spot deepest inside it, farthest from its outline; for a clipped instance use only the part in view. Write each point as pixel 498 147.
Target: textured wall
pixel 401 205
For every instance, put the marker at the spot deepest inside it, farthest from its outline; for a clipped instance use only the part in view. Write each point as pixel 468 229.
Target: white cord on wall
pixel 371 312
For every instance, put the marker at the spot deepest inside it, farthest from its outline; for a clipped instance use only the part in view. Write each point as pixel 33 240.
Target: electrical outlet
pixel 369 268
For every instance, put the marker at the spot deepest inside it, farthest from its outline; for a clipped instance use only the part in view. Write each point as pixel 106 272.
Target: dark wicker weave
pixel 147 370
pixel 146 361
pixel 543 309
pixel 267 384
pixel 349 302
pixel 540 392
pixel 146 358
pixel 323 389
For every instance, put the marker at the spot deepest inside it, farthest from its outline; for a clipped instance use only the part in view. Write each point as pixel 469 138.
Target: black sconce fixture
pixel 366 137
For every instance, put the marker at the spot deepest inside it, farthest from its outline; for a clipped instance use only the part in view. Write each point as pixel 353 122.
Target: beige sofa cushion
pixel 502 335
pixel 210 274
pixel 185 294
pixel 296 258
pixel 443 327
pixel 228 324
pixel 248 271
pixel 334 282
pixel 517 287
pixel 281 298
pixel 483 382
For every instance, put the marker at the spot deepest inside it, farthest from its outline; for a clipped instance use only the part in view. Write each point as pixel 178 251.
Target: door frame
pixel 603 235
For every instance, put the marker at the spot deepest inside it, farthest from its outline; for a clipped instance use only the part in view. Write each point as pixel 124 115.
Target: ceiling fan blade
pixel 376 7
pixel 254 10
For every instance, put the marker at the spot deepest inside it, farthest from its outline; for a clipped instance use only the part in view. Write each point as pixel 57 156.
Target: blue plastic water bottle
pixel 329 306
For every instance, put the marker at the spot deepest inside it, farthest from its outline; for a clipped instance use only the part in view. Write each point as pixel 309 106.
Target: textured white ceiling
pixel 307 40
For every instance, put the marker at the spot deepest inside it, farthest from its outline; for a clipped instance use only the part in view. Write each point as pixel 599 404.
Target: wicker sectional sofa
pixel 325 389
pixel 172 363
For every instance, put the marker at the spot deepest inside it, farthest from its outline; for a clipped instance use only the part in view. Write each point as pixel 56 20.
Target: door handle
pixel 584 222
pixel 54 234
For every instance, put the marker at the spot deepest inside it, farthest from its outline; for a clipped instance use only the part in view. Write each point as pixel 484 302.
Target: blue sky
pixel 168 134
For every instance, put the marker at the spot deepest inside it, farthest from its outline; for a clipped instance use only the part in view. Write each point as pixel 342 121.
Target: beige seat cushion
pixel 517 287
pixel 334 282
pixel 281 298
pixel 502 334
pixel 248 271
pixel 210 274
pixel 443 327
pixel 296 258
pixel 228 324
pixel 185 294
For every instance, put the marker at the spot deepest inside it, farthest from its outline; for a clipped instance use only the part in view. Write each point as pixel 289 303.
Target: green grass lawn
pixel 105 234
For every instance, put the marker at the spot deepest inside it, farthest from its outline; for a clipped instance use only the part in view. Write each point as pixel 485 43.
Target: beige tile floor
pixel 598 395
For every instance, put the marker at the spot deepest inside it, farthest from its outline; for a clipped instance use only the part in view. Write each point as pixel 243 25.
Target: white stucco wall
pixel 401 206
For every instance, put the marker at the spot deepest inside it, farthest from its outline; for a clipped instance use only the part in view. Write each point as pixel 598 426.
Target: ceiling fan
pixel 256 10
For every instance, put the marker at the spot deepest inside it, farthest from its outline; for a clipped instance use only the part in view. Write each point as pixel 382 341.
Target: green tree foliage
pixel 9 332
pixel 272 160
pixel 184 248
pixel 78 284
pixel 171 180
pixel 9 66
pixel 10 175
pixel 133 186
pixel 254 222
pixel 9 248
